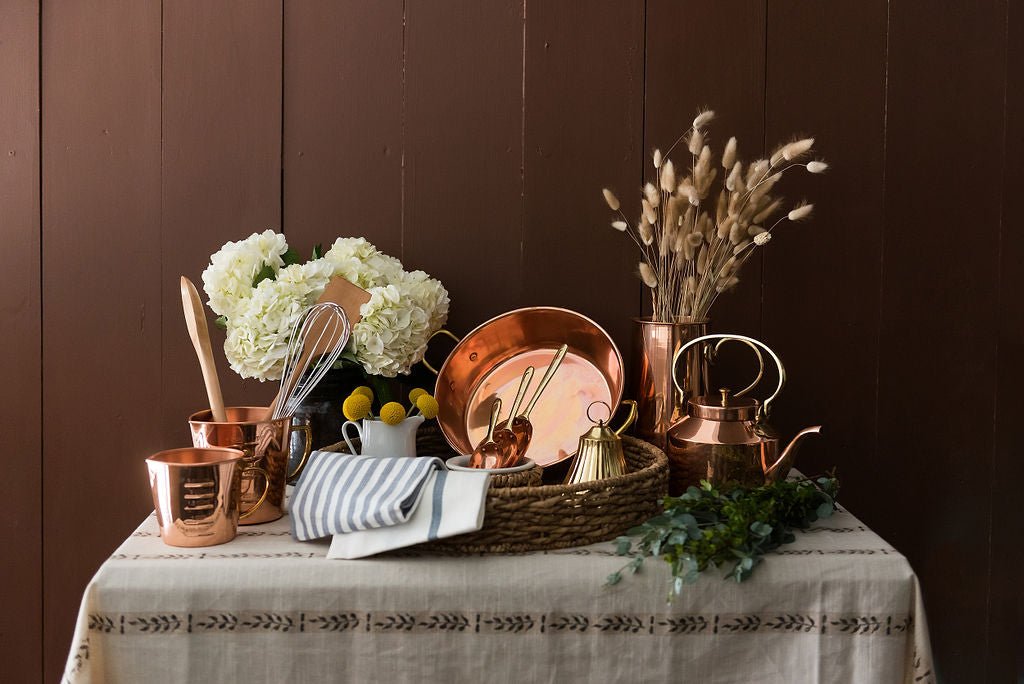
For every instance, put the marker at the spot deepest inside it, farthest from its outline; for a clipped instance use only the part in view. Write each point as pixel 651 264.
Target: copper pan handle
pixel 442 331
pixel 765 408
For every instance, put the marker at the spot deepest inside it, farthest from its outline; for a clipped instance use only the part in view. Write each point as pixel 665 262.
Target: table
pixel 837 605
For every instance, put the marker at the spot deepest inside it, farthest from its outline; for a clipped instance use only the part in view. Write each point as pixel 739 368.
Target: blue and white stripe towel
pixel 340 493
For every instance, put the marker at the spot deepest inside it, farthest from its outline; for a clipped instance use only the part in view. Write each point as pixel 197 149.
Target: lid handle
pixel 765 408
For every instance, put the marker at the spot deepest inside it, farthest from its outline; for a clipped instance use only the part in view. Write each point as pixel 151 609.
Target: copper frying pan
pixel 489 362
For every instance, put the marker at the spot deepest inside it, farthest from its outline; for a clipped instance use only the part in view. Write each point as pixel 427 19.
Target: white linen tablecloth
pixel 838 605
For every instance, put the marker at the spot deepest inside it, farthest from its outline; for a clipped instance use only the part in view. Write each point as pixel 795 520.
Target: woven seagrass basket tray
pixel 523 515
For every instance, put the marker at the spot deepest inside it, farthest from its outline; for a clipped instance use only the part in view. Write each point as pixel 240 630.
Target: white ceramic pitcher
pixel 380 439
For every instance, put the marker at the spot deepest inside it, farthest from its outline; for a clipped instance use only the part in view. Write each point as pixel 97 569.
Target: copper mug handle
pixel 263 497
pixel 763 410
pixel 445 332
pixel 307 448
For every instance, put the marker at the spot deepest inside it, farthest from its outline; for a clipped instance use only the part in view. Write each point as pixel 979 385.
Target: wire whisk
pixel 316 342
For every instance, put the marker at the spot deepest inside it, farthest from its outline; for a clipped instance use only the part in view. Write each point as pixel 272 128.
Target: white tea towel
pixel 342 493
pixel 453 504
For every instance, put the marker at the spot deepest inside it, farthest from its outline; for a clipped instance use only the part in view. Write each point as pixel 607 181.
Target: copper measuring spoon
pixel 488 454
pixel 504 436
pixel 521 426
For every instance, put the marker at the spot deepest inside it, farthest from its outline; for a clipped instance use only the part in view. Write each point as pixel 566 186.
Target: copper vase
pixel 659 403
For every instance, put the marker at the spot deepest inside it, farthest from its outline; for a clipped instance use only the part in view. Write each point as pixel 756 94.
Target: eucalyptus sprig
pixel 706 527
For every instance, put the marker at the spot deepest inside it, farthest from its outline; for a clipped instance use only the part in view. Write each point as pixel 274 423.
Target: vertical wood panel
pixel 463 151
pixel 101 304
pixel 709 55
pixel 1006 556
pixel 221 170
pixel 584 131
pixel 821 277
pixel 20 365
pixel 343 122
pixel 937 375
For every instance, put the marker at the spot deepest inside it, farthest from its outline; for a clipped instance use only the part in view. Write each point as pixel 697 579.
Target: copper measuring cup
pixel 488 453
pixel 266 444
pixel 197 494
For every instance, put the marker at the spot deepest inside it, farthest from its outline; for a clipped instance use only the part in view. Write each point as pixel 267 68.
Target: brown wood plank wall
pixel 20 405
pixel 343 96
pixel 1006 554
pixel 101 300
pixel 471 140
pixel 937 359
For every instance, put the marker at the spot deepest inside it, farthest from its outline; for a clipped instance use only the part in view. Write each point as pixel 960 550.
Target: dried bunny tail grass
pixel 729 155
pixel 703 118
pixel 696 142
pixel 619 226
pixel 611 199
pixel 722 208
pixel 756 171
pixel 702 260
pixel 797 149
pixel 652 194
pixel 762 239
pixel 668 176
pixel 800 212
pixel 650 215
pixel 726 284
pixel 687 190
pixel 646 234
pixel 737 233
pixel 725 227
pixel 754 231
pixel 657 159
pixel 817 166
pixel 706 182
pixel 740 247
pixel 647 275
pixel 734 177
pixel 772 207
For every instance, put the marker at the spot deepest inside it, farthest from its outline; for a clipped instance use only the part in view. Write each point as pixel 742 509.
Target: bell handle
pixel 446 333
pixel 631 418
pixel 765 408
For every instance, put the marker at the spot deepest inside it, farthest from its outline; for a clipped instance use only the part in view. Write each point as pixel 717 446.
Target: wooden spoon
pixel 195 320
pixel 488 454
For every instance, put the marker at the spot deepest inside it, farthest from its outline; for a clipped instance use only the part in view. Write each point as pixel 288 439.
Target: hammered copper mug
pixel 197 495
pixel 266 444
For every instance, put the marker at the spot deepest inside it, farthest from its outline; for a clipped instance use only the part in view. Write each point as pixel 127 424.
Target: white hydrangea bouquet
pixel 259 288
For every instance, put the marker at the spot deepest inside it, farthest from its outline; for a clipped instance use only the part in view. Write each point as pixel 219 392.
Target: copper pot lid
pixel 723 407
pixel 488 363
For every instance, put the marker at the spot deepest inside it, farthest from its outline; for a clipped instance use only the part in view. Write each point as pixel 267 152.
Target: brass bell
pixel 600 453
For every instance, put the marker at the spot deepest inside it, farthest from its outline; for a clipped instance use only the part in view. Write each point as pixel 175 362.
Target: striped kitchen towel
pixel 340 493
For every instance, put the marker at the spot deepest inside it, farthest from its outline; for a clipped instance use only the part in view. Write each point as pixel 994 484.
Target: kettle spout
pixel 781 467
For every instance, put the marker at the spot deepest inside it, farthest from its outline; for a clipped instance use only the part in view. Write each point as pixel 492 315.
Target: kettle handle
pixel 765 408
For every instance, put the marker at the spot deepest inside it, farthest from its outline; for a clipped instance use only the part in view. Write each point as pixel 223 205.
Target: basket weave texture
pixel 522 516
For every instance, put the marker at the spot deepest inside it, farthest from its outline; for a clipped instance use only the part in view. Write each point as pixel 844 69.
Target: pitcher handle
pixel 442 331
pixel 631 418
pixel 306 449
pixel 344 435
pixel 263 496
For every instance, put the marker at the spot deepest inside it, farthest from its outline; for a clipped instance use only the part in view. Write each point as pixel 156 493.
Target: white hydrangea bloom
pixel 359 262
pixel 227 281
pixel 258 332
pixel 404 310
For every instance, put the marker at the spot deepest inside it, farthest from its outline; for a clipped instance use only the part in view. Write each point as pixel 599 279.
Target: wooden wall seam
pixel 21 364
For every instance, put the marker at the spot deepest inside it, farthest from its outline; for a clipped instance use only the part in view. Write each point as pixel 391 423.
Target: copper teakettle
pixel 725 438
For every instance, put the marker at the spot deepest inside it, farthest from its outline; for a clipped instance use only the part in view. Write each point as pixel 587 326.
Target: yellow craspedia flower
pixel 356 407
pixel 392 413
pixel 365 391
pixel 416 394
pixel 427 406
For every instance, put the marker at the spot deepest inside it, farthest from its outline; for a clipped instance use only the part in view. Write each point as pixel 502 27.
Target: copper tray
pixel 489 361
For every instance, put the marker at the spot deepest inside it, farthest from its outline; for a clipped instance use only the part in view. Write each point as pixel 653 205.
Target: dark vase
pixel 321 410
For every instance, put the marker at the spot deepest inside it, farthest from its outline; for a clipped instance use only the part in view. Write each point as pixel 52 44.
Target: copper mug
pixel 266 445
pixel 197 495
